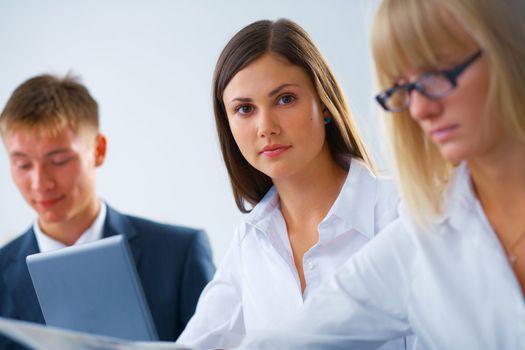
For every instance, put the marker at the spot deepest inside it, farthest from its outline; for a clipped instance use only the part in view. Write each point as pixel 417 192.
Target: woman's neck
pixel 307 197
pixel 499 182
pixel 500 178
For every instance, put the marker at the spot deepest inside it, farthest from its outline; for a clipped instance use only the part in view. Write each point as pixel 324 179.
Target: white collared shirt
pixel 257 284
pixel 93 233
pixel 451 285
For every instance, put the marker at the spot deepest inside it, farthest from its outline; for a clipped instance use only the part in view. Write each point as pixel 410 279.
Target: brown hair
pixel 289 40
pixel 48 104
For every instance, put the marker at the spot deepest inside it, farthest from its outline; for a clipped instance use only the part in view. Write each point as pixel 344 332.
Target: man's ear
pixel 100 149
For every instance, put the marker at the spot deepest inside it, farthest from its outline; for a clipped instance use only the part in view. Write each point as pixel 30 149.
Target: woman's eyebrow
pixel 279 88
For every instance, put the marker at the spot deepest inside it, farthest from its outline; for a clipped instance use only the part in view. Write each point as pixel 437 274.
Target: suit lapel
pixel 18 281
pixel 118 224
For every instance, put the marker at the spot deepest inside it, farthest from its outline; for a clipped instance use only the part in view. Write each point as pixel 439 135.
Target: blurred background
pixel 149 65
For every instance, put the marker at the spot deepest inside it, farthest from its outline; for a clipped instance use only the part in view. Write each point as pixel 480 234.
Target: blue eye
pixel 286 99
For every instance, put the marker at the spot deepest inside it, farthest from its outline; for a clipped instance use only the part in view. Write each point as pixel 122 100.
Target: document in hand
pixel 43 337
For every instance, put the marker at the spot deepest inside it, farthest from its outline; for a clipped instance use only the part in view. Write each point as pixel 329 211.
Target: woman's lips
pixel 272 151
pixel 443 134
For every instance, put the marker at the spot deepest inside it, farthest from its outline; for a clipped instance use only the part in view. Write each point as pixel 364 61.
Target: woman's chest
pixel 271 290
pixel 464 295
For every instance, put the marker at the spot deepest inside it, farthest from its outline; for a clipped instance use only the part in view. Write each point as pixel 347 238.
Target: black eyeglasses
pixel 433 85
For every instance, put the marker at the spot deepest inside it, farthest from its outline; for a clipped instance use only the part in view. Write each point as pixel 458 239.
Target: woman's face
pixel 460 124
pixel 276 117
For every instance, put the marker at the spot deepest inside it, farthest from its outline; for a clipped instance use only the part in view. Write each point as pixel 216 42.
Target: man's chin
pixel 47 218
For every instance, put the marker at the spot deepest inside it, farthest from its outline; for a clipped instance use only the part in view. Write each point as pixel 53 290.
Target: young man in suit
pixel 50 128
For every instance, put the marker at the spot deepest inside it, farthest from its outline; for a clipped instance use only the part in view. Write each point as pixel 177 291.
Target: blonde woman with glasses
pixel 451 269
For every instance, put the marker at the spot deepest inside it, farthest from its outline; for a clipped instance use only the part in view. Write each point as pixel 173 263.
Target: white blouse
pixel 257 284
pixel 452 286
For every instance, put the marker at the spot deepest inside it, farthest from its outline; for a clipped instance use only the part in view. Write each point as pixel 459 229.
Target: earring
pixel 327 118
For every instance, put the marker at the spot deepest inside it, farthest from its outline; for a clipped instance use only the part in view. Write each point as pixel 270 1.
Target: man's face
pixel 56 174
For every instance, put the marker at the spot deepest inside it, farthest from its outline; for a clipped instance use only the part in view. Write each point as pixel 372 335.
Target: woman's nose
pixel 422 107
pixel 268 125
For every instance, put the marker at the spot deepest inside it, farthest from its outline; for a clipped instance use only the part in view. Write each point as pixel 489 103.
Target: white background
pixel 149 65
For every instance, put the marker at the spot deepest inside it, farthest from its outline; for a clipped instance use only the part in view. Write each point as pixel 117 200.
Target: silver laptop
pixel 94 288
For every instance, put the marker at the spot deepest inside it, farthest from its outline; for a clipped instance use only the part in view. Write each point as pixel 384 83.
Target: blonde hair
pixel 411 34
pixel 49 104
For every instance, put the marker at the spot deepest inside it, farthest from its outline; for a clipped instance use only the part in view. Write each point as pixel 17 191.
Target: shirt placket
pixel 281 244
pixel 311 270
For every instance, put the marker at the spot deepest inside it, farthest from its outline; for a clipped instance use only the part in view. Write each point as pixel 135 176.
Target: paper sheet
pixel 41 337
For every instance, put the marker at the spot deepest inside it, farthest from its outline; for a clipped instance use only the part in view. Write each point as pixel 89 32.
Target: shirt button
pixel 310 265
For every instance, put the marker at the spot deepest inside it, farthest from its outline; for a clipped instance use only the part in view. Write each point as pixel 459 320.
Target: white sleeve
pixel 360 307
pixel 218 320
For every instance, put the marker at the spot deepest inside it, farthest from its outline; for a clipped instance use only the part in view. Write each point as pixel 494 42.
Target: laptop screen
pixel 94 288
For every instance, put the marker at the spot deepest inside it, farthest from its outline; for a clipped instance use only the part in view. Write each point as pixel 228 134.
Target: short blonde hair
pixel 410 34
pixel 49 104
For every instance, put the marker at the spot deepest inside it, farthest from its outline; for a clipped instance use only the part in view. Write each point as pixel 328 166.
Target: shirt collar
pixel 93 233
pixel 459 196
pixel 353 208
pixel 262 214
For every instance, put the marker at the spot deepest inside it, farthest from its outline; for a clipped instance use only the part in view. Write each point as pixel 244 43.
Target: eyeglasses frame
pixel 451 74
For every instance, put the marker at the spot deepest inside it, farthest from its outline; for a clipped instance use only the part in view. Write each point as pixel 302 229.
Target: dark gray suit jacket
pixel 174 264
